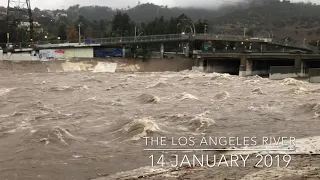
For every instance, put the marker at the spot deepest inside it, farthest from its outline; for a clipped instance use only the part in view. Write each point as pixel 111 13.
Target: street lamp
pixel 135 33
pixel 244 32
pixel 286 41
pixel 118 30
pixel 190 29
pixel 79 25
pixel 178 28
pixel 194 28
pixel 304 41
pixel 205 29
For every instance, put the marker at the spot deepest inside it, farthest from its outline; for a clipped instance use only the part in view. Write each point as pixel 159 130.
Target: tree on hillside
pixel 200 26
pixel 72 32
pixel 122 24
pixel 315 43
pixel 62 33
pixel 3 33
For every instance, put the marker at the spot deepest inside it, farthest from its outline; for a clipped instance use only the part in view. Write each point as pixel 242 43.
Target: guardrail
pixel 296 45
pixel 137 39
pixel 230 38
pixel 157 38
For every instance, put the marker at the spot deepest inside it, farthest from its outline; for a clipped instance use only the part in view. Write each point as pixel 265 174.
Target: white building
pixel 26 25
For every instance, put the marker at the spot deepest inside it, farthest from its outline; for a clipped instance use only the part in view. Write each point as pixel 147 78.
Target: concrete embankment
pixel 98 65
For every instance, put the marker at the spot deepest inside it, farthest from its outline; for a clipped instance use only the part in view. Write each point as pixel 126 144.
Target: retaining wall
pixel 98 65
pixel 282 72
pixel 314 75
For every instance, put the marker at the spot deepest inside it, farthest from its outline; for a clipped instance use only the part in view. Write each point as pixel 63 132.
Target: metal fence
pixel 296 45
pixel 137 39
pixel 155 38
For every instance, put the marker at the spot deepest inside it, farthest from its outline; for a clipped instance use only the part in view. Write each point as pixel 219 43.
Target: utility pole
pixel 135 33
pixel 8 39
pixel 177 42
pixel 79 33
pixel 24 11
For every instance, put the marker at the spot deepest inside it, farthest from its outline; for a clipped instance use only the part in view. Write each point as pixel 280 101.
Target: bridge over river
pixel 167 38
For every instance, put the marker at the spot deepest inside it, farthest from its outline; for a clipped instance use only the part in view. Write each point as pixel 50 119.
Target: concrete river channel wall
pixel 98 65
pixel 82 59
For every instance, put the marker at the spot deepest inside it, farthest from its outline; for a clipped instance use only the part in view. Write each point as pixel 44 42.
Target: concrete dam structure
pixel 274 65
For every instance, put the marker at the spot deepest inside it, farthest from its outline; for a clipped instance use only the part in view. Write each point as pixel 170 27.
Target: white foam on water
pixel 258 91
pixel 221 96
pixel 141 127
pixel 185 96
pixel 136 173
pixel 105 67
pixel 4 91
pixel 189 122
pixel 76 66
pixel 220 76
pixel 292 82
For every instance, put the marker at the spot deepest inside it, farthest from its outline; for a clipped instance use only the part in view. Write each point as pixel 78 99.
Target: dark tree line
pixel 121 25
pixel 259 17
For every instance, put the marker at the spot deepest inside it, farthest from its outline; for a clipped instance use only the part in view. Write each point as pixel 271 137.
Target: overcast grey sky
pixel 58 4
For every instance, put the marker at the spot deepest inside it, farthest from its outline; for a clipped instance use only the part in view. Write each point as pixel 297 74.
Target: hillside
pixel 283 19
pixel 272 18
pixel 260 17
pixel 140 13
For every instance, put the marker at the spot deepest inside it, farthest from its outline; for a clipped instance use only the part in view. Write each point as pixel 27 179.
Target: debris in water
pixel 148 98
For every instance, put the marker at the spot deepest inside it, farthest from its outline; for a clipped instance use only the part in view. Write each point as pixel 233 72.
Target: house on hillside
pixel 26 25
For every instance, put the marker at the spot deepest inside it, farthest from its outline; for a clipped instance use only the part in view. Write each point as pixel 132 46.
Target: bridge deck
pixel 258 56
pixel 169 38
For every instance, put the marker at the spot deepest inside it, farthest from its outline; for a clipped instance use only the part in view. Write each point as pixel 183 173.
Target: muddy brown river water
pixel 83 125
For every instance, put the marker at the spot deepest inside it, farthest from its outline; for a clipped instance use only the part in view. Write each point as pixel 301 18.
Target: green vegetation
pixel 267 18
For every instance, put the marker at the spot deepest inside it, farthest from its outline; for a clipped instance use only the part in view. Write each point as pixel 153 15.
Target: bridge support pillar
pixel 199 65
pixel 299 66
pixel 123 51
pixel 186 50
pixel 303 69
pixel 314 75
pixel 245 67
pixel 297 62
pixel 162 50
pixel 249 67
pixel 282 72
pixel 263 47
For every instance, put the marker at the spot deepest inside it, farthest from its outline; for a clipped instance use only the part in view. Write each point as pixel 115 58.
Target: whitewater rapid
pixel 86 125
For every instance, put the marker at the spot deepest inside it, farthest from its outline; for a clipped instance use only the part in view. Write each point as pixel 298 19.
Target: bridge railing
pixel 296 45
pixel 132 39
pixel 211 36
